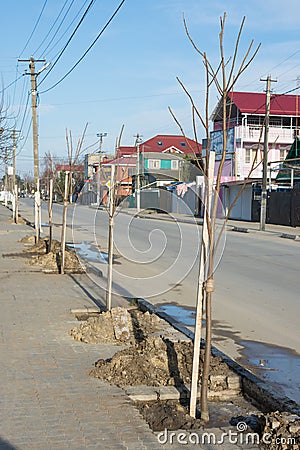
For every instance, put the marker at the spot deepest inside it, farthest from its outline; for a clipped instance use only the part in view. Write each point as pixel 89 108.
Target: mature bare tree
pixel 222 78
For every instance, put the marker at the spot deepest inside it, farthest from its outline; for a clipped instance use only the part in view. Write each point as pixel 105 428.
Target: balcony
pixel 254 133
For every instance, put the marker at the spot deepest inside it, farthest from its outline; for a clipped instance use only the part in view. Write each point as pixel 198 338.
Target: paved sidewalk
pixel 48 401
pixel 47 398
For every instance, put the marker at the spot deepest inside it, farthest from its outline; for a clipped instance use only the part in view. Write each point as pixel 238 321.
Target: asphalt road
pixel 256 304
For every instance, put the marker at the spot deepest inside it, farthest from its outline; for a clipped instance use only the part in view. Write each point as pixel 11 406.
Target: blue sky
pixel 129 76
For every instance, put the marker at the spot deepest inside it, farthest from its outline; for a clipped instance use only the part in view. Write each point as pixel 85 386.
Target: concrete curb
pixel 253 387
pixel 294 237
pixel 240 229
pixel 199 221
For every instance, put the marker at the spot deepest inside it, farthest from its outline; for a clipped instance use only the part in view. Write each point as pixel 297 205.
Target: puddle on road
pixel 183 314
pixel 278 366
pixel 89 252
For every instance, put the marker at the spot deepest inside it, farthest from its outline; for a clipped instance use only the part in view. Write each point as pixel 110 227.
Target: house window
pixel 174 164
pixel 182 144
pixel 154 164
pixel 159 143
pixel 247 155
pixel 254 155
pixel 275 122
pixel 251 155
pixel 282 154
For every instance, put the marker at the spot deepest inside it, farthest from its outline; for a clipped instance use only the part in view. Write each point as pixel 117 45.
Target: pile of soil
pixel 282 431
pixel 168 415
pixel 51 261
pixel 100 329
pixel 30 239
pixel 21 220
pixel 172 415
pixel 154 362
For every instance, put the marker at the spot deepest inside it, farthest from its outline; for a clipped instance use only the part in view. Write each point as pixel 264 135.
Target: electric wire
pixel 68 42
pixel 274 67
pixel 51 28
pixel 89 48
pixel 21 101
pixel 26 138
pixel 276 96
pixel 35 26
pixel 12 83
pixel 25 113
pixel 66 30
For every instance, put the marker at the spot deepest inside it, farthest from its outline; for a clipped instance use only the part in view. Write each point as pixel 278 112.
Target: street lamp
pixel 100 136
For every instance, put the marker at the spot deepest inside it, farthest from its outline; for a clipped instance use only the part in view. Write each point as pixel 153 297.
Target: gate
pixel 283 208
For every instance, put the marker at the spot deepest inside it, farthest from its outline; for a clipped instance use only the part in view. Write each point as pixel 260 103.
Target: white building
pixel 246 132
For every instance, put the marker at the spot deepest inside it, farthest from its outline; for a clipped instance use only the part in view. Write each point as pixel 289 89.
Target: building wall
pixel 248 138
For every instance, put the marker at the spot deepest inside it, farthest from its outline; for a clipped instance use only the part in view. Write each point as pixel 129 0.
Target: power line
pixel 274 67
pixel 286 59
pixel 26 111
pixel 68 42
pixel 89 48
pixel 53 25
pixel 35 26
pixel 12 83
pixel 276 96
pixel 66 30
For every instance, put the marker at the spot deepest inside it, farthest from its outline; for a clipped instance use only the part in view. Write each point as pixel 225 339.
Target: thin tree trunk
pixel 201 278
pixel 64 227
pixel 37 205
pixel 110 238
pixel 110 263
pixel 207 357
pixel 16 204
pixel 50 205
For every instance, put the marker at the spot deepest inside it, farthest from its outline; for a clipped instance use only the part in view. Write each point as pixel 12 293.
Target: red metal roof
pixel 254 103
pixel 126 150
pixel 162 142
pixel 123 161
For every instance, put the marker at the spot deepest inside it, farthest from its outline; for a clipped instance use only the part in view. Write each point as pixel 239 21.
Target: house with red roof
pixel 165 143
pixel 245 132
pixel 159 160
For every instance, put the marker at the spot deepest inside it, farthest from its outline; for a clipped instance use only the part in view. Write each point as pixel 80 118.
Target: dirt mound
pixel 42 246
pixel 51 260
pixel 153 362
pixel 95 330
pixel 101 329
pixel 21 220
pixel 30 239
pixel 168 415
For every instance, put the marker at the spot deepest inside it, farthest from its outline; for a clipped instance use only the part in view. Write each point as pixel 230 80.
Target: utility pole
pixel 263 206
pixel 33 75
pixel 100 136
pixel 138 139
